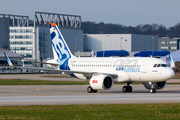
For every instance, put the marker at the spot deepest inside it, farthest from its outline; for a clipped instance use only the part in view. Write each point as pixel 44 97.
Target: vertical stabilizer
pixel 171 61
pixel 8 60
pixel 60 48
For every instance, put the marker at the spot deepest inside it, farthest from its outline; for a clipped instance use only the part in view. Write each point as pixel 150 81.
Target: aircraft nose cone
pixel 170 73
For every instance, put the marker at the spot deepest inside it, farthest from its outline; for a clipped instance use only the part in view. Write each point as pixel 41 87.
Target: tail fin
pixel 171 61
pixel 60 49
pixel 8 60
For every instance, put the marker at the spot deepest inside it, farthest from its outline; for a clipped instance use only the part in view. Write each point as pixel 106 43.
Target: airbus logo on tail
pixel 59 46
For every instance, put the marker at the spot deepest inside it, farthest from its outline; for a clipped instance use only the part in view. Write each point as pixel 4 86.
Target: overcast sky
pixel 125 12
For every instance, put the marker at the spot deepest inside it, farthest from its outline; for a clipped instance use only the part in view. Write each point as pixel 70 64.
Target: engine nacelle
pixel 100 82
pixel 158 85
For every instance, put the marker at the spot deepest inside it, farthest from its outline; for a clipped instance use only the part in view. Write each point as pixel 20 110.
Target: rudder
pixel 60 48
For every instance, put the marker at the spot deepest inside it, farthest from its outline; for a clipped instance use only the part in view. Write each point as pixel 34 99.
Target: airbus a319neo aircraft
pixel 103 72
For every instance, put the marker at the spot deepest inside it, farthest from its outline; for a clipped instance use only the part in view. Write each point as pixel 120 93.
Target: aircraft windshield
pixel 161 65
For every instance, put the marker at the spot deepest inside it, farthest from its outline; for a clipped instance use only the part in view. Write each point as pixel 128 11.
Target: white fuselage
pixel 128 69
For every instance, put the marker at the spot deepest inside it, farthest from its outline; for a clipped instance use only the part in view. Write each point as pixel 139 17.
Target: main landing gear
pixel 127 88
pixel 153 89
pixel 91 90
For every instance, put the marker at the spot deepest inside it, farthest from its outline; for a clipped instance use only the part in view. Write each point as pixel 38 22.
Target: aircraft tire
pixel 94 91
pixel 129 89
pixel 153 90
pixel 125 89
pixel 89 89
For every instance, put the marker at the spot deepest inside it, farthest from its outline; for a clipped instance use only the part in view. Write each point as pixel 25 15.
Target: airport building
pixel 128 42
pixel 164 43
pixel 21 41
pixel 31 38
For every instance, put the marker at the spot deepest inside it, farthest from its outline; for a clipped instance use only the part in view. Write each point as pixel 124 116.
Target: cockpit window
pixel 155 65
pixel 163 65
pixel 159 65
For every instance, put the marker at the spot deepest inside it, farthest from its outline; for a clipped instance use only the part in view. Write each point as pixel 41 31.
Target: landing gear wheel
pixel 129 89
pixel 89 89
pixel 153 90
pixel 125 89
pixel 94 91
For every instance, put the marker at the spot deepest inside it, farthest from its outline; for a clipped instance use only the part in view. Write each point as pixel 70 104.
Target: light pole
pixel 125 44
pixel 121 42
pixel 75 44
pixel 152 46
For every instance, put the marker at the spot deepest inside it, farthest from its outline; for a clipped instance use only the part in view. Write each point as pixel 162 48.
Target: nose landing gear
pixel 153 89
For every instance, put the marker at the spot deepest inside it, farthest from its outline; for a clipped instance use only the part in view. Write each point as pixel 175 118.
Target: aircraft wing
pixel 55 70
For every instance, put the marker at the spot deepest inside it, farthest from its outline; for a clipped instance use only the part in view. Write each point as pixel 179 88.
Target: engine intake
pixel 158 85
pixel 100 82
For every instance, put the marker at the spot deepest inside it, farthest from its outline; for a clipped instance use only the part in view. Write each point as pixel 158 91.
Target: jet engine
pixel 100 82
pixel 158 85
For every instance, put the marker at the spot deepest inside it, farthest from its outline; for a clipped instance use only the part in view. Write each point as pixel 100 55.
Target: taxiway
pixel 76 94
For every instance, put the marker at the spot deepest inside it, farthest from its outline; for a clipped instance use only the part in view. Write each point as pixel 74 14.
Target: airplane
pixel 103 72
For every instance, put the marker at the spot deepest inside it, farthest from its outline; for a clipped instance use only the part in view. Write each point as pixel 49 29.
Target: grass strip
pixel 95 112
pixel 40 82
pixel 52 82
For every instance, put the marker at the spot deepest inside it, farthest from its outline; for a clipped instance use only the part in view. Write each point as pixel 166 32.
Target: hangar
pixel 128 42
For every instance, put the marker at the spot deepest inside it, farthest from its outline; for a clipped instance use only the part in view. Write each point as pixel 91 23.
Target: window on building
pixel 164 47
pixel 12 48
pixel 162 42
pixel 28 42
pixel 12 36
pixel 20 31
pixel 20 36
pixel 29 30
pixel 173 48
pixel 23 48
pixel 172 42
pixel 22 42
pixel 18 48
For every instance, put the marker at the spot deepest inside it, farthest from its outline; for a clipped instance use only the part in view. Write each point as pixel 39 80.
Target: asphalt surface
pixel 77 94
pixel 11 95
